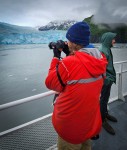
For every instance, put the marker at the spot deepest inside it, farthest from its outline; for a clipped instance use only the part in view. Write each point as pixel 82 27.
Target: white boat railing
pixel 42 95
pixel 121 71
pixel 25 100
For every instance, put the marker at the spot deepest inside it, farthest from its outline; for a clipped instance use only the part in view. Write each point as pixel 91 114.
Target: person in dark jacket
pixel 107 40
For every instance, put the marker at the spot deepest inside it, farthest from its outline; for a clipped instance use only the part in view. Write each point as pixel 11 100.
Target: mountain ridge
pixel 10 28
pixel 57 25
pixel 13 34
pixel 98 29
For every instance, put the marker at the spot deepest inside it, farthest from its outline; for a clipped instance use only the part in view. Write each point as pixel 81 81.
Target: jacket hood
pixel 107 38
pixel 93 61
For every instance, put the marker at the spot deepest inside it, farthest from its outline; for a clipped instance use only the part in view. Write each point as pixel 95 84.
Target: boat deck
pixel 41 135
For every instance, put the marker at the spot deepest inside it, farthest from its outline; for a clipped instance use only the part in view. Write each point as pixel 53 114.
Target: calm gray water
pixel 23 69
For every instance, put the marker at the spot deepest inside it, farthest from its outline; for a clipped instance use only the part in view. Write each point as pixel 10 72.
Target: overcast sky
pixel 41 12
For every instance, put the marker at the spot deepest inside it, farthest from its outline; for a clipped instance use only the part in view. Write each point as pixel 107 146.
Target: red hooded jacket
pixel 76 116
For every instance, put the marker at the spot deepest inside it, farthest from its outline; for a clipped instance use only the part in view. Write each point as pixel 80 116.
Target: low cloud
pixel 40 12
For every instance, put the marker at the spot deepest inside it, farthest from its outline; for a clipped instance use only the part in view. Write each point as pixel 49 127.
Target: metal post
pixel 120 93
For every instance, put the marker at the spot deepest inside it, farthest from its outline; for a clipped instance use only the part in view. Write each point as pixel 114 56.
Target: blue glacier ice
pixel 12 34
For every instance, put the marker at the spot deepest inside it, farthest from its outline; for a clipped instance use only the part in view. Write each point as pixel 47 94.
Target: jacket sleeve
pixel 52 82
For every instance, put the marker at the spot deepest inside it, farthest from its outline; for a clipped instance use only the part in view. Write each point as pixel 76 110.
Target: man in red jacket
pixel 76 116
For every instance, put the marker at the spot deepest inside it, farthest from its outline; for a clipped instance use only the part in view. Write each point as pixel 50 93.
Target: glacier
pixel 12 34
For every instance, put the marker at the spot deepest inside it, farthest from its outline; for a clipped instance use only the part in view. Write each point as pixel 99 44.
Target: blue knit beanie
pixel 79 33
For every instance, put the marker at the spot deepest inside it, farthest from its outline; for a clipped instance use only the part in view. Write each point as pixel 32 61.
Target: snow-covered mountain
pixel 58 25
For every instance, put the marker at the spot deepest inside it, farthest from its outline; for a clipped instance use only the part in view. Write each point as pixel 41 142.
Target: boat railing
pixel 45 94
pixel 120 79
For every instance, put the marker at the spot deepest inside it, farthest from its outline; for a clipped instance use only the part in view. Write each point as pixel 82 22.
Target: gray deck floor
pixel 118 141
pixel 41 135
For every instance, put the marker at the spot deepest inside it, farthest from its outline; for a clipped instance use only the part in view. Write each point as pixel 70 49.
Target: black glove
pixel 66 49
pixel 57 53
pixel 64 46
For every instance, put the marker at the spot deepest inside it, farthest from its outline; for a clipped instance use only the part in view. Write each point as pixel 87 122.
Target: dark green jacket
pixel 105 48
